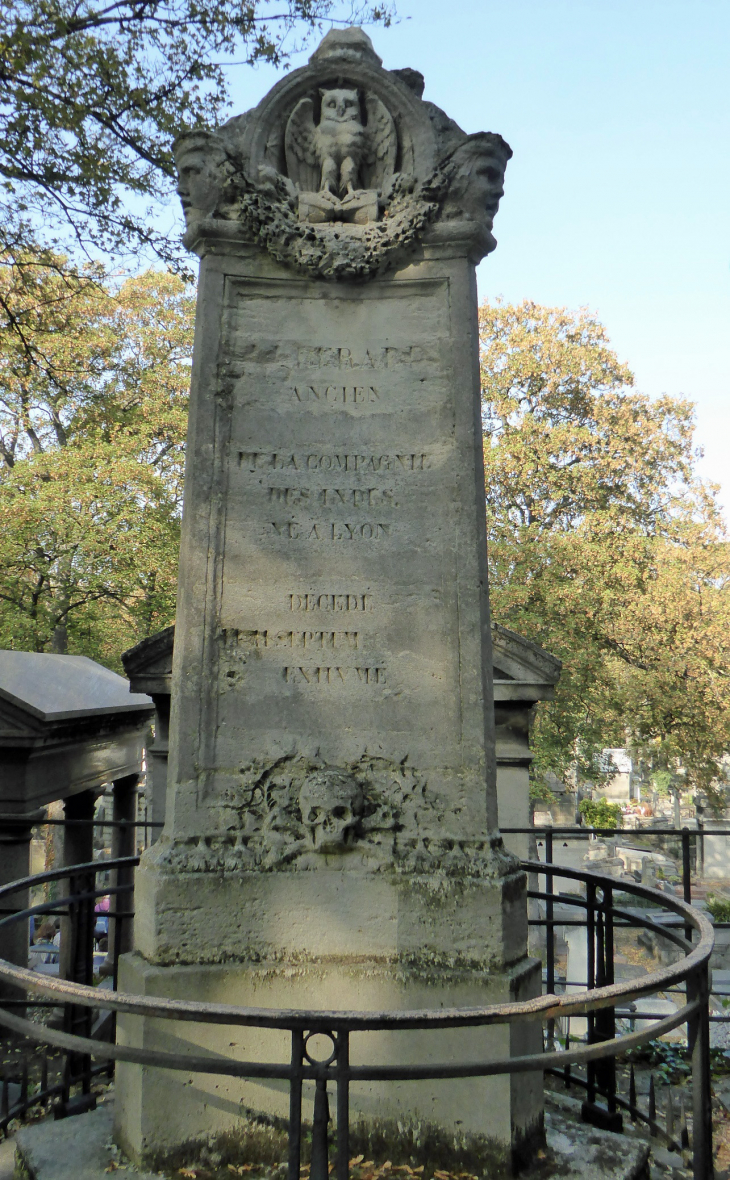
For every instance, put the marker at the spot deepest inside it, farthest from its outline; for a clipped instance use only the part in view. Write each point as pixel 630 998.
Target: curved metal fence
pixel 599 1003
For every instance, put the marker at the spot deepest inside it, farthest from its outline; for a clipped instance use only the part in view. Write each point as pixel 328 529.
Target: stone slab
pixel 586 1153
pixel 7 1159
pixel 79 1148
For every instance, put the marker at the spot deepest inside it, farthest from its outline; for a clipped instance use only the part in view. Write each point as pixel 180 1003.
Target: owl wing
pixel 300 147
pixel 381 144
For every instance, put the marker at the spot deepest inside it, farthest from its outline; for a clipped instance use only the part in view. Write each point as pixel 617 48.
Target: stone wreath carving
pixel 297 814
pixel 341 180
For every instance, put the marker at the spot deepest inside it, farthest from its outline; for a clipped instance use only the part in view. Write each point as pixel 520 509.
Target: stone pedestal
pixel 188 1107
pixel 331 824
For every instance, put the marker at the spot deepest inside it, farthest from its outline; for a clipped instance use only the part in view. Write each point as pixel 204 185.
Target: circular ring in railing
pixel 320 1060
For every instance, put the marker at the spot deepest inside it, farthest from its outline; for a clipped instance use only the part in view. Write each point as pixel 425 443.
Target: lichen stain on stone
pixel 259 1142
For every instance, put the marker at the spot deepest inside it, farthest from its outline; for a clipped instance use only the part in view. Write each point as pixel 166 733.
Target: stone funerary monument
pixel 331 836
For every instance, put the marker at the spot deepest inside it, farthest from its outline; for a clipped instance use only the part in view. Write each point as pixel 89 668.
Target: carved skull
pixel 331 804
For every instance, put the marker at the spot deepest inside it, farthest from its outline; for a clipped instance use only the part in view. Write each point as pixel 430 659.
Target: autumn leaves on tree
pixel 605 548
pixel 93 406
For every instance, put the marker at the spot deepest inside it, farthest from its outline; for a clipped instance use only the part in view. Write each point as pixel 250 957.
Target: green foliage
pixel 92 431
pixel 599 813
pixel 719 907
pixel 94 94
pixel 605 549
pixel 661 781
pixel 670 1062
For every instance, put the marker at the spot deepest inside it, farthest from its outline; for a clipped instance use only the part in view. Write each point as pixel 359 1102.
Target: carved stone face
pixel 199 183
pixel 331 804
pixel 486 187
pixel 342 106
pixel 477 187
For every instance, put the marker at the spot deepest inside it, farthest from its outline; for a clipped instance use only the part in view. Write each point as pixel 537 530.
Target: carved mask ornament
pixel 331 805
pixel 201 161
pixel 478 178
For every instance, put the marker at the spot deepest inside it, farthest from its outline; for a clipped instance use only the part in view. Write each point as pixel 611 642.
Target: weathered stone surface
pixel 577 1150
pixel 334 558
pixel 190 1105
pixel 332 810
pixel 80 1148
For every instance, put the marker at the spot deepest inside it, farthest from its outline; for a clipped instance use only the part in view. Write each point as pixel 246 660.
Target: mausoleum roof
pixel 60 687
pixel 522 669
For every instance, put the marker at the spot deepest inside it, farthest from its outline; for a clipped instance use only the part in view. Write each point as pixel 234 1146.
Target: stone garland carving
pixel 268 212
pixel 296 814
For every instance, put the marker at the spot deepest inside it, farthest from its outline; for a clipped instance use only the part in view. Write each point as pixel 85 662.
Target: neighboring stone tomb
pixel 331 832
pixel 68 727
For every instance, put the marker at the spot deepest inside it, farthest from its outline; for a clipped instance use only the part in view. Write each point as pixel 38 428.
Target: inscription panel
pixel 341 516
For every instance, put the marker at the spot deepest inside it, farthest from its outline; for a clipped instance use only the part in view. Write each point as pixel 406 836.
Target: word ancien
pixel 335 395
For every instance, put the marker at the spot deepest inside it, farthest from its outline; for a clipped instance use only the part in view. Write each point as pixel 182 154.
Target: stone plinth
pixel 331 826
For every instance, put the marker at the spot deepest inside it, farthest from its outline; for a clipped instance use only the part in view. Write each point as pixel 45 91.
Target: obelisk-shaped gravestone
pixel 331 836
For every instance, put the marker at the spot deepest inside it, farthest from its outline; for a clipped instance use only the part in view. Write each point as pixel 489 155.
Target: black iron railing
pixel 600 1003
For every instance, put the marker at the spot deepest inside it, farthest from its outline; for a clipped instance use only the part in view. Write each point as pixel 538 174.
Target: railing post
pixel 343 1105
pixel 550 935
pixel 686 878
pixel 80 968
pixel 295 1104
pixel 591 980
pixel 698 1039
pixel 604 1020
pixel 319 1166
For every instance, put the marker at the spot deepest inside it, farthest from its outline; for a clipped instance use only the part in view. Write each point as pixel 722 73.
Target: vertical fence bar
pixel 319 1166
pixel 80 969
pixel 700 849
pixel 604 1020
pixel 608 1016
pixel 686 878
pixel 295 1104
pixel 591 979
pixel 550 935
pixel 343 1105
pixel 698 1039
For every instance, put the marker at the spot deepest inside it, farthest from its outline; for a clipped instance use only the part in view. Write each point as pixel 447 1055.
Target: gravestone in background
pixel 331 835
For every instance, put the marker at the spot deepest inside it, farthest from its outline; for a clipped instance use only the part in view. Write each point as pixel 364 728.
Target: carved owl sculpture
pixel 340 154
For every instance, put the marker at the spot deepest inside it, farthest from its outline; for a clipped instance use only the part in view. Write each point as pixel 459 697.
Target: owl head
pixel 342 106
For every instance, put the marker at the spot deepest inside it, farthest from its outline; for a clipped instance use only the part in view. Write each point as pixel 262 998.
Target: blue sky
pixel 618 194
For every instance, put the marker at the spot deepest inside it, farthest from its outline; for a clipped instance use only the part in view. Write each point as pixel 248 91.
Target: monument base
pixel 160 1110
